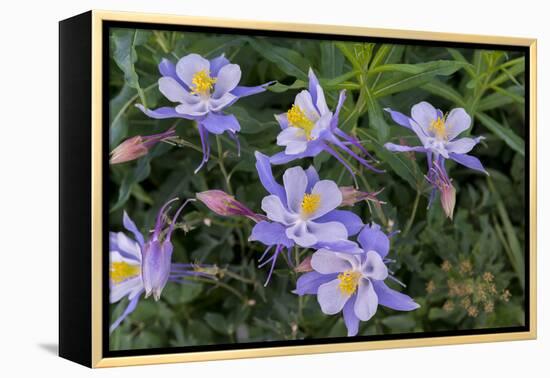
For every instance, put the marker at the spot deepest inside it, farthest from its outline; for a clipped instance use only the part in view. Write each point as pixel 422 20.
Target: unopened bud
pixel 304 266
pixel 226 205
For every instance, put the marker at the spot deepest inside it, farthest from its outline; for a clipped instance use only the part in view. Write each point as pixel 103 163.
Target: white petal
pixel 321 125
pixel 125 288
pixel 424 114
pixel 461 146
pixel 228 78
pixel 189 65
pixel 328 232
pixel 374 266
pixel 300 235
pixel 197 109
pixel 291 134
pixel 305 102
pixel 331 298
pixel 321 102
pixel 217 104
pixel 366 302
pixel 326 262
pixel 295 183
pixel 130 246
pixel 457 121
pixel 174 92
pixel 274 209
pixel 294 148
pixel 330 197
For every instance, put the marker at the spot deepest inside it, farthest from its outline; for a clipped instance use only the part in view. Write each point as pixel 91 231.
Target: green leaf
pixel 510 72
pixel 117 119
pixel 406 68
pixel 403 322
pixel 332 61
pixel 336 81
pixel 516 97
pixel 124 42
pixel 214 46
pixel 177 294
pixel 376 117
pixel 401 82
pixel 216 322
pixel 403 166
pixel 506 134
pixel 131 178
pixel 511 242
pixel 358 54
pixel 253 124
pixel 501 98
pixel 287 60
pixel 281 88
pixel 118 107
pixel 457 55
pixel 440 89
pixel 386 54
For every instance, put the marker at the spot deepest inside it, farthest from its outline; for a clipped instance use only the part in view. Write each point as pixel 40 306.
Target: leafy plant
pixel 466 273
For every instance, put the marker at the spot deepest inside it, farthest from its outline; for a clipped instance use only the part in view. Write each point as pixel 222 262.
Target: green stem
pixel 161 41
pixel 220 284
pixel 238 277
pixel 129 102
pixel 413 214
pixel 222 166
pixel 377 207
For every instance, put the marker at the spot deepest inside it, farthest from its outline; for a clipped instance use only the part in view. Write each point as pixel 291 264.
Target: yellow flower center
pixel 202 82
pixel 310 203
pixel 438 127
pixel 348 282
pixel 297 118
pixel 121 271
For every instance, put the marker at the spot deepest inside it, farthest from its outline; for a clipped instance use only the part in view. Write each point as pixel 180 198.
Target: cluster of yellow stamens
pixel 297 118
pixel 349 281
pixel 438 127
pixel 202 82
pixel 310 203
pixel 121 271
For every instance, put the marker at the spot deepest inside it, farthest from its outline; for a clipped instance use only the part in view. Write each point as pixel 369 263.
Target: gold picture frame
pixel 96 359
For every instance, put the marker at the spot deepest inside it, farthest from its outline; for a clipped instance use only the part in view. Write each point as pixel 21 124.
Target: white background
pixel 29 186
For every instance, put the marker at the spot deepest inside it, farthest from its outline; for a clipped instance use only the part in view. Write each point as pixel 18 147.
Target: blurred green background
pixel 467 273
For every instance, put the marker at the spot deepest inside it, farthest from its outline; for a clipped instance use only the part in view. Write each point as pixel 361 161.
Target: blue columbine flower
pixel 310 127
pixel 202 89
pixel 354 283
pixel 437 133
pixel 302 212
pixel 138 266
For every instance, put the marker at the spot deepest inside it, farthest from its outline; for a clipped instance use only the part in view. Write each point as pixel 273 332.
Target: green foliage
pixel 466 273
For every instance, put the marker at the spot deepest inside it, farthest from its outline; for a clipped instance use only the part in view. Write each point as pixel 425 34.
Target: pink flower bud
pixel 305 266
pixel 138 146
pixel 448 199
pixel 128 150
pixel 437 176
pixel 350 196
pixel 226 205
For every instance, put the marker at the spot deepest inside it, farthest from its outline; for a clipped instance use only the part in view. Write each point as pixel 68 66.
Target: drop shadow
pixel 51 348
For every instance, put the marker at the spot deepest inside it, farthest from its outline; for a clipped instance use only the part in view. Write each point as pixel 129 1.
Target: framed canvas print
pixel 235 189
